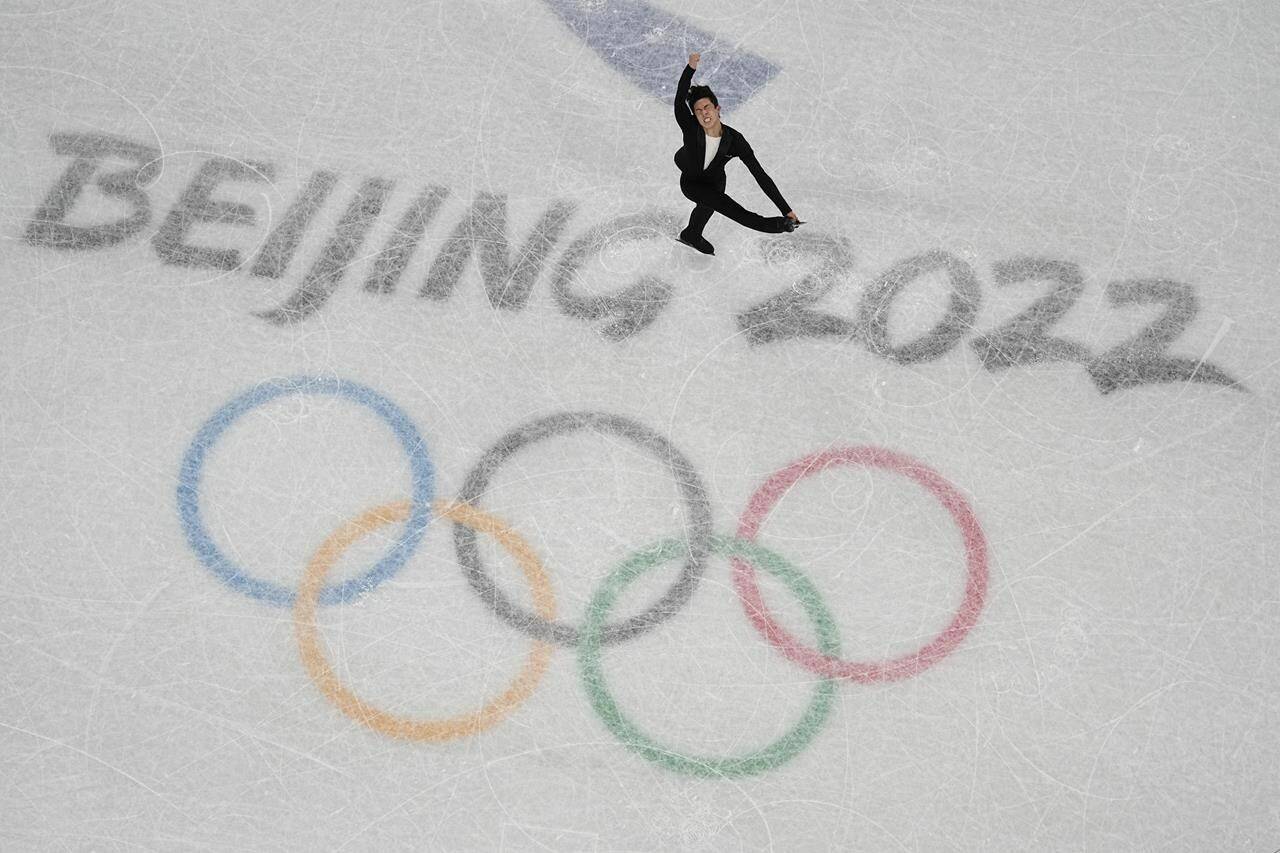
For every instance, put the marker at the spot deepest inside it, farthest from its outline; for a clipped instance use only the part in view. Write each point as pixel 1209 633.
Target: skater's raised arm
pixel 762 178
pixel 684 117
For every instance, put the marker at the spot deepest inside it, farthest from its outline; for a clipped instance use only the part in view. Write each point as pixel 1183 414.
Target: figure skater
pixel 708 146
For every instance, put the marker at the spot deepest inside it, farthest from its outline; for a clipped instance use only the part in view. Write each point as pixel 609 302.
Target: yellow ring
pixel 304 623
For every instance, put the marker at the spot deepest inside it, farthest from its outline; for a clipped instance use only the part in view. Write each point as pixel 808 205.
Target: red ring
pixel 975 543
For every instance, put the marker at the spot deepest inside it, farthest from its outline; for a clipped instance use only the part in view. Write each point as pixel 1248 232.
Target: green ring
pixel 775 754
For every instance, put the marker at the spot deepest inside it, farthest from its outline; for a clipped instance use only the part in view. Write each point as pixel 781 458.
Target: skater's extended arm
pixel 762 178
pixel 684 117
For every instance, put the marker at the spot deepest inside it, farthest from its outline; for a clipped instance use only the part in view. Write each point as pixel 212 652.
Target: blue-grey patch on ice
pixel 649 47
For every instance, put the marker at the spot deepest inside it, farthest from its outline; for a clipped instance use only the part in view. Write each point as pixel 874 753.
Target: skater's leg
pixel 697 221
pixel 726 206
pixel 698 193
pixel 692 234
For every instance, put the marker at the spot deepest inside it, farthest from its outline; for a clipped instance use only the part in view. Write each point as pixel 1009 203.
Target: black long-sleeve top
pixel 693 153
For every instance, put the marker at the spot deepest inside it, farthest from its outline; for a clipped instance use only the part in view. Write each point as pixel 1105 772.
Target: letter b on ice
pixel 49 228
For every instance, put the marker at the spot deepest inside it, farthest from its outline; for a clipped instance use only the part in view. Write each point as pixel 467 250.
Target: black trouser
pixel 709 196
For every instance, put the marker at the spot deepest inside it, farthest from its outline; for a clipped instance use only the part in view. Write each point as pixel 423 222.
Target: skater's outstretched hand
pixel 791 214
pixel 693 60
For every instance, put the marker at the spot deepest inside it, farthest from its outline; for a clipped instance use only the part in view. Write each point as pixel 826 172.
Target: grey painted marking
pixel 326 273
pixel 650 47
pixel 389 265
pixel 1141 359
pixel 698 528
pixel 962 308
pixel 787 314
pixel 637 305
pixel 276 253
pixel 483 232
pixel 47 228
pixel 1024 339
pixel 197 204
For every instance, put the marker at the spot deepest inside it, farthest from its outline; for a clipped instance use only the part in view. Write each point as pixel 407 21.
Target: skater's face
pixel 708 113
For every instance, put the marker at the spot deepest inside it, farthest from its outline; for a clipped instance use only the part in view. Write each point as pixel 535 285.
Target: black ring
pixel 698 525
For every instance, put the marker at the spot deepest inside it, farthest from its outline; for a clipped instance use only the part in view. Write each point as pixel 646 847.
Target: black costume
pixel 705 187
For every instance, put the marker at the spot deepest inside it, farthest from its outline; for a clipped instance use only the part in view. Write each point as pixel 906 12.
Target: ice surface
pixel 1031 325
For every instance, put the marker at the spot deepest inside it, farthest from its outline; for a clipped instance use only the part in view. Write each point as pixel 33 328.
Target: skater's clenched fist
pixel 693 60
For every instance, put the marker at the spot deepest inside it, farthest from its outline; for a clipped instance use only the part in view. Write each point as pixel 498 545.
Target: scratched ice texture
pixel 383 297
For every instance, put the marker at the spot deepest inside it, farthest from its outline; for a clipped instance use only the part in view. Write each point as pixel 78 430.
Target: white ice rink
pixel 385 299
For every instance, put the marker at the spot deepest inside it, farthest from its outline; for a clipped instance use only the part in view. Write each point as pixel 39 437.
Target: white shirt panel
pixel 713 145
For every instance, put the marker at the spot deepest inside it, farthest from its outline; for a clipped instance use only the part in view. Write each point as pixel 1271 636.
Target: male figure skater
pixel 708 146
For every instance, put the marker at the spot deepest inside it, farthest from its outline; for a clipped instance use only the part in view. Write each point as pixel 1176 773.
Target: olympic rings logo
pixel 540 623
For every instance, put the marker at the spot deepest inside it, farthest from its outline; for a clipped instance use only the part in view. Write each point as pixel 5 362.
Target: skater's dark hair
pixel 697 93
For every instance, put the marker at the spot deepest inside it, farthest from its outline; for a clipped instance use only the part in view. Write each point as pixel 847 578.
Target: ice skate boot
pixel 699 243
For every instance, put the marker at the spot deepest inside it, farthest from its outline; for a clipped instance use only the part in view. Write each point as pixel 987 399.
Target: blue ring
pixel 235 577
